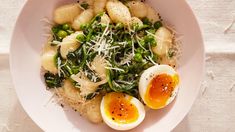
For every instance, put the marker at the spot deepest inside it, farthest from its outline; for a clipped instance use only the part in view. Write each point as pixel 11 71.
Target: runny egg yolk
pixel 160 89
pixel 119 108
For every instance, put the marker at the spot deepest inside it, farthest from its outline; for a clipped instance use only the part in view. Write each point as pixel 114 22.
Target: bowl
pixel 28 40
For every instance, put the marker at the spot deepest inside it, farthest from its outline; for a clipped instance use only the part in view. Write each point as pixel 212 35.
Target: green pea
pixel 62 34
pixel 157 24
pixel 83 26
pixel 81 38
pixel 66 26
pixel 138 57
pixel 150 40
pixel 139 50
pixel 143 43
pixel 55 30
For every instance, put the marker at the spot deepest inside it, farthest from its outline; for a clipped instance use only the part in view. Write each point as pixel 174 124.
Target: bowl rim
pixel 187 5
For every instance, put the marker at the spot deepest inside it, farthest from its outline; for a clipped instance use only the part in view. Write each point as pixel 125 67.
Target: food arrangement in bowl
pixel 111 60
pixel 30 64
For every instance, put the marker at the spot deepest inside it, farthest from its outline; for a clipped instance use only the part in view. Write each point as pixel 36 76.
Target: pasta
pixel 66 13
pixel 137 9
pixel 99 6
pixel 83 18
pixel 167 61
pixel 92 110
pixel 164 37
pixel 105 19
pixel 118 12
pixel 72 97
pixel 48 61
pixel 136 20
pixel 69 44
pixel 70 92
pixel 152 15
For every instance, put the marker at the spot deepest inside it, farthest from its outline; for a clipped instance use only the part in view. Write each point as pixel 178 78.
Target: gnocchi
pixel 66 13
pixel 71 92
pixel 164 41
pixel 83 18
pixel 118 12
pixel 69 44
pixel 171 62
pixel 92 109
pixel 99 6
pixel 137 9
pixel 105 19
pixel 152 15
pixel 136 20
pixel 48 61
pixel 72 97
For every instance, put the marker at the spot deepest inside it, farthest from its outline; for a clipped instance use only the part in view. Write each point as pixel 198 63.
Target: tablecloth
pixel 214 109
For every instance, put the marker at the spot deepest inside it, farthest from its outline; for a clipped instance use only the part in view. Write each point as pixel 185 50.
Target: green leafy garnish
pixel 53 80
pixel 126 50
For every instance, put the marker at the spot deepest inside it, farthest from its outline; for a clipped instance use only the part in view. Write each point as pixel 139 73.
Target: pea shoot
pixel 66 27
pixel 81 38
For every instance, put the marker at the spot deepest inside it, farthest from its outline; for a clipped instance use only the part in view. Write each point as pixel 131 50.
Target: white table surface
pixel 214 109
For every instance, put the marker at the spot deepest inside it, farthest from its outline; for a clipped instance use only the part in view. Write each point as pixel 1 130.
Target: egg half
pixel 121 111
pixel 158 86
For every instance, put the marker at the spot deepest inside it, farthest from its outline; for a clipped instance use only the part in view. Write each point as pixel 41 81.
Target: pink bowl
pixel 26 46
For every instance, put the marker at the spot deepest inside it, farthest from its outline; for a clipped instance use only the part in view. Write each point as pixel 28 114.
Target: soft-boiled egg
pixel 121 111
pixel 158 86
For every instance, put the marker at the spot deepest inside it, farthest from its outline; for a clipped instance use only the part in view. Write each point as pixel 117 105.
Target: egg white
pixel 111 123
pixel 152 72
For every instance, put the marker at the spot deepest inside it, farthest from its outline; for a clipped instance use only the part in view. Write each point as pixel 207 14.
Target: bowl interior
pixel 28 40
